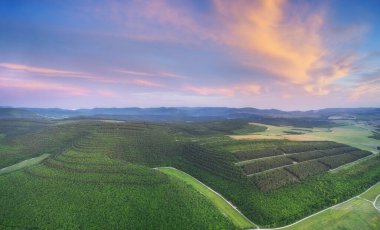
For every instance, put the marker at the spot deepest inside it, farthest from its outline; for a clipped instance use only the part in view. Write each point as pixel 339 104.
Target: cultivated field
pixel 348 133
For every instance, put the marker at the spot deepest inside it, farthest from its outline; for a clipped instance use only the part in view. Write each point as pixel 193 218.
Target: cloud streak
pixel 50 72
pixel 44 71
pixel 150 74
pixel 34 85
pixel 369 89
pixel 228 91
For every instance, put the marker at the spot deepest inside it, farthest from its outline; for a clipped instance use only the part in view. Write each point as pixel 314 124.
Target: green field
pixel 236 217
pixel 357 213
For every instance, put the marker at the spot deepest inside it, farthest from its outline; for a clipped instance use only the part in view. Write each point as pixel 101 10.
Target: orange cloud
pixel 284 46
pixel 286 42
pixel 247 89
pixel 327 76
pixel 40 85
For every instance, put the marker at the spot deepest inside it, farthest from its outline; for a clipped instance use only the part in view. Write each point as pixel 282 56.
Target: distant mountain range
pixel 189 113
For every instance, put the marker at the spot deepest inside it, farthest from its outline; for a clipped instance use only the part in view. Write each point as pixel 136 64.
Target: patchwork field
pixel 349 133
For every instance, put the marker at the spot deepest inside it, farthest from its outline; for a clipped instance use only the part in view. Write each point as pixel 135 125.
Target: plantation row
pixel 304 156
pixel 35 202
pixel 93 181
pixel 216 162
pixel 308 168
pixel 88 162
pixel 336 161
pixel 254 150
pixel 100 177
pixel 273 179
pixel 262 164
pixel 52 140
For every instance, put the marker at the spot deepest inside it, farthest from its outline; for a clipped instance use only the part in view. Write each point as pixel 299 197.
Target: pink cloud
pixel 106 93
pixel 86 76
pixel 369 90
pixel 40 85
pixel 244 89
pixel 150 74
pixel 44 71
pixel 145 83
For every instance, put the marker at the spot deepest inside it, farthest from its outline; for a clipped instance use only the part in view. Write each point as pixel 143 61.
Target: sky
pixel 284 54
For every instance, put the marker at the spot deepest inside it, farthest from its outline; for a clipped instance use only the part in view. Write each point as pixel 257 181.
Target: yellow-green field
pixel 224 206
pixel 23 164
pixel 357 213
pixel 349 133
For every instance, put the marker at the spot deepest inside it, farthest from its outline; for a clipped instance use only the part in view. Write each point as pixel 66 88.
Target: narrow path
pixel 374 203
pixel 23 164
pixel 226 207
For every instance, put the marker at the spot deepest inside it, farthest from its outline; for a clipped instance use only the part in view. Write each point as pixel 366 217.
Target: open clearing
pixel 357 213
pixel 24 164
pixel 350 133
pixel 223 205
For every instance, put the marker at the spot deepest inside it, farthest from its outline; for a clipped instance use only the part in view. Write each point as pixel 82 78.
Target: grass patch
pixel 353 214
pixel 23 164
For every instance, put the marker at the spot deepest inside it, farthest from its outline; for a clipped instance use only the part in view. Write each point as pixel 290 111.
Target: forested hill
pixel 192 113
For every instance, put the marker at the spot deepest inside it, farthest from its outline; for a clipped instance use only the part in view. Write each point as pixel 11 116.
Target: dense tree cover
pixel 338 160
pixel 216 127
pixel 305 169
pixel 216 162
pixel 246 150
pixel 34 140
pixel 314 154
pixel 85 187
pixel 265 164
pixel 32 202
pixel 104 165
pixel 285 167
pixel 273 179
pixel 290 203
pixel 360 154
